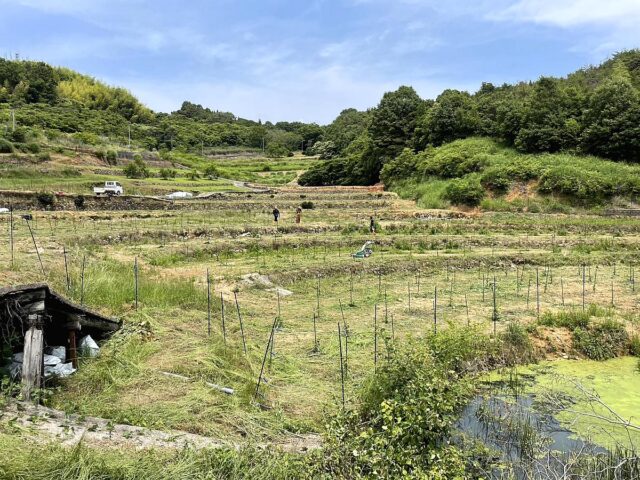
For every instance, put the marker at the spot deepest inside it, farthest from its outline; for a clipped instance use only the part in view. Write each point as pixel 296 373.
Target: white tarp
pixel 88 347
pixel 180 195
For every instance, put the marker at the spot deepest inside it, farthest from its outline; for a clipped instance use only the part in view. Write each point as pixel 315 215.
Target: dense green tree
pixel 454 115
pixel 549 117
pixel 613 121
pixel 346 128
pixel 394 121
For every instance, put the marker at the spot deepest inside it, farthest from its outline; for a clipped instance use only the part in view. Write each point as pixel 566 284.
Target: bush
pixel 167 173
pixel 45 200
pixel 194 175
pixel 43 157
pixel 465 191
pixel 112 157
pixel 634 346
pixel 79 202
pixel 101 155
pixel 19 135
pixel 571 319
pixel 404 414
pixel 307 205
pixel 275 150
pixel 602 341
pixel 137 168
pixel 211 171
pixel 33 147
pixel 6 146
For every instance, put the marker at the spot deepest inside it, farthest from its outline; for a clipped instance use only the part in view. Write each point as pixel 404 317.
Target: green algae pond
pixel 540 418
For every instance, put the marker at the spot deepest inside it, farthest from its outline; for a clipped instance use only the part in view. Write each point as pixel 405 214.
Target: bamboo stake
pixel 341 364
pixel 435 310
pixel 66 268
pixel 224 327
pixel 208 304
pixel 135 279
pixel 244 343
pixel 264 359
pixel 84 258
pixel 375 338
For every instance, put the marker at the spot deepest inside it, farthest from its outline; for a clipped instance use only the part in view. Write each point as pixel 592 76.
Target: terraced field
pixel 293 273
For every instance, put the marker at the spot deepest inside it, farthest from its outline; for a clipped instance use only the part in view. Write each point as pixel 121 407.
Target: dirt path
pixel 50 424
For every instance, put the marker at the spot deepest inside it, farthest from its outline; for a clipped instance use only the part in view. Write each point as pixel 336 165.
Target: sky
pixel 307 60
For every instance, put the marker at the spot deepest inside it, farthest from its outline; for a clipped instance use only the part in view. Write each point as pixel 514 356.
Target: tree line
pixel 594 111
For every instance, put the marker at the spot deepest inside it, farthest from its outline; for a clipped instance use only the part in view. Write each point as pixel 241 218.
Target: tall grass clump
pixel 602 341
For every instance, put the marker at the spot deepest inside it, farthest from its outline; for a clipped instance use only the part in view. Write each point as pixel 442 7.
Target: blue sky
pixel 307 60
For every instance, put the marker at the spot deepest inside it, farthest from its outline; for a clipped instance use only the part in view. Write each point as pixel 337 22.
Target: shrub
pixel 194 175
pixel 517 343
pixel 275 150
pixel 112 157
pixel 167 173
pixel 266 168
pixel 45 200
pixel 634 346
pixel 33 147
pixel 79 202
pixel 307 205
pixel 6 146
pixel 605 340
pixel 571 319
pixel 19 135
pixel 101 155
pixel 211 171
pixel 43 157
pixel 137 168
pixel 465 191
pixel 404 414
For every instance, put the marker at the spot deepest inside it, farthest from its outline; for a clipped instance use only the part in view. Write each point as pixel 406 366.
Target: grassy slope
pixel 546 182
pixel 78 173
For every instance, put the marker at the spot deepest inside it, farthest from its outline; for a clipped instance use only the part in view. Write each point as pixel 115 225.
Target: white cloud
pixel 570 13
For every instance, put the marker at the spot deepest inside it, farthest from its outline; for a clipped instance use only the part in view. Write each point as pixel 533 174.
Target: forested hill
pixel 61 102
pixel 593 111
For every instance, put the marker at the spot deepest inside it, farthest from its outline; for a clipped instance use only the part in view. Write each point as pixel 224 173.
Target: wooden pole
pixel 32 361
pixel 73 349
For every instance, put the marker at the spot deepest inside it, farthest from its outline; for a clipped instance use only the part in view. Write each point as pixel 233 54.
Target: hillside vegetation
pixel 480 171
pixel 594 112
pixel 50 104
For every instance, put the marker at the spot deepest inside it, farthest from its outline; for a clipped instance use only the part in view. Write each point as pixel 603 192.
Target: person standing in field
pixel 372 224
pixel 276 214
pixel 298 214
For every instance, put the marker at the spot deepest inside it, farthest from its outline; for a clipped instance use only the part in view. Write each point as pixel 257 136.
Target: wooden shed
pixel 33 317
